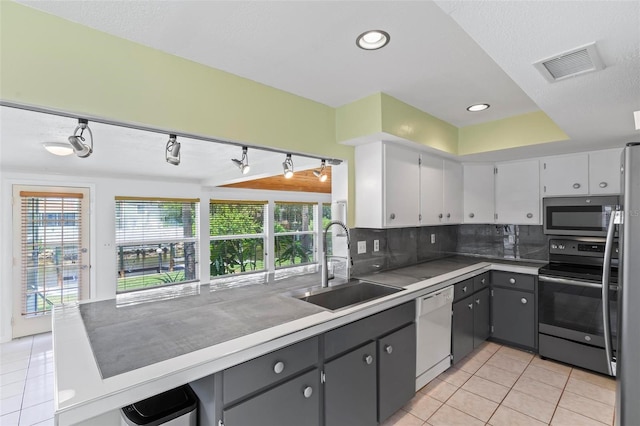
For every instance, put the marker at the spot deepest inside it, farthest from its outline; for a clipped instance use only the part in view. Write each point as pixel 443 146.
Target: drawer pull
pixel 307 392
pixel 368 359
pixel 464 289
pixel 448 215
pixel 392 216
pixel 470 305
pixel 603 184
pixel 477 301
pixel 529 215
pixel 388 348
pixel 512 280
pixel 278 367
pixel 576 185
pixel 440 216
pixel 471 215
pixel 483 280
pixel 523 301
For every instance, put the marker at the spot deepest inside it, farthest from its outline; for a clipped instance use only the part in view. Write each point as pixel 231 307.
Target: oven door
pixel 578 216
pixel 572 309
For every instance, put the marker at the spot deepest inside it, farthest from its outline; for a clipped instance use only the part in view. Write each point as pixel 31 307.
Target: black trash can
pixel 176 407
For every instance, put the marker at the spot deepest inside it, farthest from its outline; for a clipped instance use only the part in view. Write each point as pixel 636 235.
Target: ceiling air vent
pixel 578 61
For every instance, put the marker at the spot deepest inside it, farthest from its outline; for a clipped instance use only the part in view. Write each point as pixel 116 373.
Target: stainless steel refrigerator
pixel 626 364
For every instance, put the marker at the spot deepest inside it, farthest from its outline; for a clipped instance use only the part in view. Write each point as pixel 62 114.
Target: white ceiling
pixel 443 56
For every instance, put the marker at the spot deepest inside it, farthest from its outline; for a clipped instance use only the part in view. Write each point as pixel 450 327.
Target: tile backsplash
pixel 407 246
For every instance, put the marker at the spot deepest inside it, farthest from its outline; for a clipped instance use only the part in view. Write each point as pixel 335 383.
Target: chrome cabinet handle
pixel 448 215
pixel 603 184
pixel 576 185
pixel 470 305
pixel 483 280
pixel 471 215
pixel 440 216
pixel 529 215
pixel 464 289
pixel 368 359
pixel 512 280
pixel 278 367
pixel 308 391
pixel 477 301
pixel 388 348
pixel 393 216
pixel 523 301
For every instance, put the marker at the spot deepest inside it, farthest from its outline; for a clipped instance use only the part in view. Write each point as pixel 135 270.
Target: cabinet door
pixel 518 193
pixel 402 186
pixel 462 328
pixel 604 171
pixel 350 388
pixel 481 317
pixel 478 194
pixel 431 186
pixel 513 314
pixel 296 402
pixel 452 192
pixel 565 175
pixel 397 370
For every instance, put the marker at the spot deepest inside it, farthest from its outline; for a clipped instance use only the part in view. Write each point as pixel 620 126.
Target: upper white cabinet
pixel 452 208
pixel 604 171
pixel 594 173
pixel 431 187
pixel 387 186
pixel 478 193
pixel 517 191
pixel 564 175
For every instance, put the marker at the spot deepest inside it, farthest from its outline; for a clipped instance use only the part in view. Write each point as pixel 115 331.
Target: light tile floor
pixel 26 381
pixel 501 386
pixel 495 385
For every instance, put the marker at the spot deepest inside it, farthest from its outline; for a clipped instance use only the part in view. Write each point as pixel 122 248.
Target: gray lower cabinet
pixel 396 370
pixel 481 316
pixel 350 388
pixel 470 325
pixel 514 317
pixel 462 328
pixel 296 402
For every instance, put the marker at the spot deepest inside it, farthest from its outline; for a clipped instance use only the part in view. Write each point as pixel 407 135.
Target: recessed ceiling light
pixel 58 148
pixel 373 39
pixel 478 107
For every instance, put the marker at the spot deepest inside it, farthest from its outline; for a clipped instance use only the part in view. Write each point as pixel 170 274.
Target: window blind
pixel 51 250
pixel 156 242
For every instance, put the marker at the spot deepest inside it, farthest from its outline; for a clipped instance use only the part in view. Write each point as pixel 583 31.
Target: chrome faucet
pixel 325 272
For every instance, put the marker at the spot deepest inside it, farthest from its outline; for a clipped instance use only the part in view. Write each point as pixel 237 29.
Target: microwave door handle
pixel 606 275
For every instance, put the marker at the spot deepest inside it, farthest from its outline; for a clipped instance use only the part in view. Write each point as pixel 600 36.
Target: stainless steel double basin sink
pixel 340 296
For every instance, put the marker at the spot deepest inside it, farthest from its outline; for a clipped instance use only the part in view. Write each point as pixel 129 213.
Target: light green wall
pixel 359 118
pixel 407 122
pixel 521 130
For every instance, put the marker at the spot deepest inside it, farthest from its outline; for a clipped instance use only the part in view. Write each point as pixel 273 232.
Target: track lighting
pixel 320 174
pixel 81 149
pixel 58 148
pixel 287 166
pixel 243 164
pixel 172 153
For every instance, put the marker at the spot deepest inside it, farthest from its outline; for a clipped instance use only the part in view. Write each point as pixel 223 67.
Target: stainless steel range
pixel 571 327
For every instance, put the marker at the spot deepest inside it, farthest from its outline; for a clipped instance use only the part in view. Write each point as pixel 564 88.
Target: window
pixel 237 236
pixel 156 242
pixel 294 233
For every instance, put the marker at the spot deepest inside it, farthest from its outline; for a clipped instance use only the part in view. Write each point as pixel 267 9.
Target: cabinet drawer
pixel 258 373
pixel 481 281
pixel 462 289
pixel 351 335
pixel 511 280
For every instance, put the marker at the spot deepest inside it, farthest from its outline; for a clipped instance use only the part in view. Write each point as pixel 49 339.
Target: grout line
pixel 24 388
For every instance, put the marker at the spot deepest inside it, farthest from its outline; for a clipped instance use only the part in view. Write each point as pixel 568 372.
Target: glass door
pixel 51 256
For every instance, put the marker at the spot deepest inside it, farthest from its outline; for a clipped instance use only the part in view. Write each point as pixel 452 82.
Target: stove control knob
pixel 587 338
pixel 561 246
pixel 554 246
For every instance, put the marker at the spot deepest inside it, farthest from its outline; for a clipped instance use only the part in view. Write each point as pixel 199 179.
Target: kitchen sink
pixel 340 296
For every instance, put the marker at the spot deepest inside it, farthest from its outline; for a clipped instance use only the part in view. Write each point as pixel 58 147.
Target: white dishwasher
pixel 433 313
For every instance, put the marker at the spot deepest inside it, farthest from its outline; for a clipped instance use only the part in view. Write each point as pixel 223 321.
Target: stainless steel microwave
pixel 578 216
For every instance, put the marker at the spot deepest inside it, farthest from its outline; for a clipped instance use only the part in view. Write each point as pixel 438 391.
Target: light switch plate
pixel 376 245
pixel 362 247
pixel 512 239
pixel 433 238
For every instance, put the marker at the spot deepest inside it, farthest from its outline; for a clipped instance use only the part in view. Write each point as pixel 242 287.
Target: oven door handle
pixel 614 219
pixel 557 280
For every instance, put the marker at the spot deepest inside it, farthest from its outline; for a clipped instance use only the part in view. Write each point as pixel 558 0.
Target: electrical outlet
pixel 433 238
pixel 362 247
pixel 376 245
pixel 512 239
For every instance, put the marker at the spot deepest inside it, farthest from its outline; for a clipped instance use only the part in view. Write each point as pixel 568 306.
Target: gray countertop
pixel 130 336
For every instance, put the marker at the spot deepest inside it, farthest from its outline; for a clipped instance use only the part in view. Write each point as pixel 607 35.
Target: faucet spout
pixel 324 271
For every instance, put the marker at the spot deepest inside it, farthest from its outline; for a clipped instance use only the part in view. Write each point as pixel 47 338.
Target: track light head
pixel 319 173
pixel 172 152
pixel 243 164
pixel 81 149
pixel 287 167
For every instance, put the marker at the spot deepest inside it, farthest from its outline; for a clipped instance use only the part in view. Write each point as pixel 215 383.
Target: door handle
pixel 368 359
pixel 388 349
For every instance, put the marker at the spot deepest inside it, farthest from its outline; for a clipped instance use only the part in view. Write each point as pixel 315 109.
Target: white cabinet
pixel 431 186
pixel 478 193
pixel 387 186
pixel 517 191
pixel 565 175
pixel 604 171
pixel 440 191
